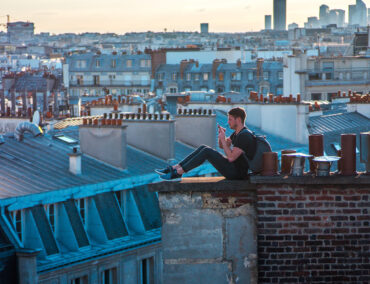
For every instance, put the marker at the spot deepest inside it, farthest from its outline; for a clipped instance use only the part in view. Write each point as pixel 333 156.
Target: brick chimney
pixel 183 65
pixel 215 65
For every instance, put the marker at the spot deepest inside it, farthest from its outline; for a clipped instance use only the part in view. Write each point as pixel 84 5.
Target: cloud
pixel 201 10
pixel 247 7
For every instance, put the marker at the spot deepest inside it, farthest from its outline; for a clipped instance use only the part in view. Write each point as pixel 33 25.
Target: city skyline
pixel 114 16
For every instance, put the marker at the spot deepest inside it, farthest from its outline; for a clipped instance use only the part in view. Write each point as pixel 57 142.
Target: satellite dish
pixel 36 117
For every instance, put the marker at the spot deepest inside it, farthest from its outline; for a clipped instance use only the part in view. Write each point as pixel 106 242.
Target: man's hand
pixel 221 134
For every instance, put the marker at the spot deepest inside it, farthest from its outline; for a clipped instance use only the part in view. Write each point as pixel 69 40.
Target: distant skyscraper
pixel 368 16
pixel 280 15
pixel 351 14
pixel 341 18
pixel 361 13
pixel 324 12
pixel 204 28
pixel 357 14
pixel 267 22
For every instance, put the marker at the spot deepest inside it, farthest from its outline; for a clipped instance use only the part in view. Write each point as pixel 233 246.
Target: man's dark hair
pixel 238 112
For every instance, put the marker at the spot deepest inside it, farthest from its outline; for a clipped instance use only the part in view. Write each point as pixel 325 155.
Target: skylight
pixel 65 139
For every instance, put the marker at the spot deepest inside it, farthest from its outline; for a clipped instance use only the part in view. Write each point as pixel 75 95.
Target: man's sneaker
pixel 171 176
pixel 163 171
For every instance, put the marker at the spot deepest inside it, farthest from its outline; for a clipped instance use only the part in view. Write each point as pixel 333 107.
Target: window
pixel 160 76
pixel 109 276
pixel 220 76
pixel 316 96
pixel 265 76
pixel 280 75
pixel 279 91
pixel 314 76
pixel 196 77
pixel 236 76
pixel 147 270
pixel 96 79
pixel 80 280
pixel 114 62
pixel 174 76
pixel 205 76
pixel 119 198
pixel 112 76
pixel 250 76
pixel 80 79
pixel 81 63
pixel 129 63
pixel 17 222
pixel 50 213
pixel 80 203
pixel 148 63
pixel 142 63
pixel 188 76
pixel 173 90
pixel 97 63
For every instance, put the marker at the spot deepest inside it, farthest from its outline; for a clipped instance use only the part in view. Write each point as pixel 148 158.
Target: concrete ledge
pixel 201 184
pixel 309 179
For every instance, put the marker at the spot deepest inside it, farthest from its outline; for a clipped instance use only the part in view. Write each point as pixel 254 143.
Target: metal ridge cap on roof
pixel 30 200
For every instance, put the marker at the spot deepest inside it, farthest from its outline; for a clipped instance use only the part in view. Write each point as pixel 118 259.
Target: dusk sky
pixel 120 16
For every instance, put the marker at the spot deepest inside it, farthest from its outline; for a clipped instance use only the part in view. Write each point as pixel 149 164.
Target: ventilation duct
pixel 26 127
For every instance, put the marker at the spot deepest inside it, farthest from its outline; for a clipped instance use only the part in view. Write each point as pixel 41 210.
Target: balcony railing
pixel 111 83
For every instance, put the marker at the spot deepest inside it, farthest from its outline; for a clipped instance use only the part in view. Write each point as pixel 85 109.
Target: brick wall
pixel 313 234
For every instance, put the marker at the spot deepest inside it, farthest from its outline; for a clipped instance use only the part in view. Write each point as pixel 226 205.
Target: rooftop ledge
pixel 209 184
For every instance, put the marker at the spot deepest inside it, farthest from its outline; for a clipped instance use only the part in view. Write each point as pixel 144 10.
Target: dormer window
pixel 80 204
pixel 50 213
pixel 17 222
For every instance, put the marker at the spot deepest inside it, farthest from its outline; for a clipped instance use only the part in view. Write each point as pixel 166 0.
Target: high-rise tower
pixel 280 15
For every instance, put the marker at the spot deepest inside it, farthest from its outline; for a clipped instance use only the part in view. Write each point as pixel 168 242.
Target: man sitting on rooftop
pixel 238 148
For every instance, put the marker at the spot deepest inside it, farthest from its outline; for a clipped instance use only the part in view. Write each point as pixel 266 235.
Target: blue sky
pixel 122 16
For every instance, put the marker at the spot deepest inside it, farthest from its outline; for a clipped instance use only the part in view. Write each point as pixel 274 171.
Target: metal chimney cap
pixel 302 155
pixel 326 159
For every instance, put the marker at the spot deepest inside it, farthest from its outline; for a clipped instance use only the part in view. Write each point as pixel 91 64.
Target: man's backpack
pixel 262 146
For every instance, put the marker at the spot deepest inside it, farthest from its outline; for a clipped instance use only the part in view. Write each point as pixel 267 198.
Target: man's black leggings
pixel 205 153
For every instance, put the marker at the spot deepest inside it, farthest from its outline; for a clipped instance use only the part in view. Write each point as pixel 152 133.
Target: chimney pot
pixel 75 162
pixel 316 148
pixel 286 162
pixel 348 148
pixel 270 163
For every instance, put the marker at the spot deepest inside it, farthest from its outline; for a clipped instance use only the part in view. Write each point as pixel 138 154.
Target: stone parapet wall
pixel 266 230
pixel 209 231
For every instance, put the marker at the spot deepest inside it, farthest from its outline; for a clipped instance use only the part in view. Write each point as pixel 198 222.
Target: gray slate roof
pixel 338 122
pixel 41 164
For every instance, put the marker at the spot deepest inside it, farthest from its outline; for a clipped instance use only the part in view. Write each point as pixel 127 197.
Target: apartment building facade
pixel 220 76
pixel 100 74
pixel 319 78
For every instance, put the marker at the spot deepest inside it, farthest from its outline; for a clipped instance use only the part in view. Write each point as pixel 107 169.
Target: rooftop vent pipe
pixel 26 126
